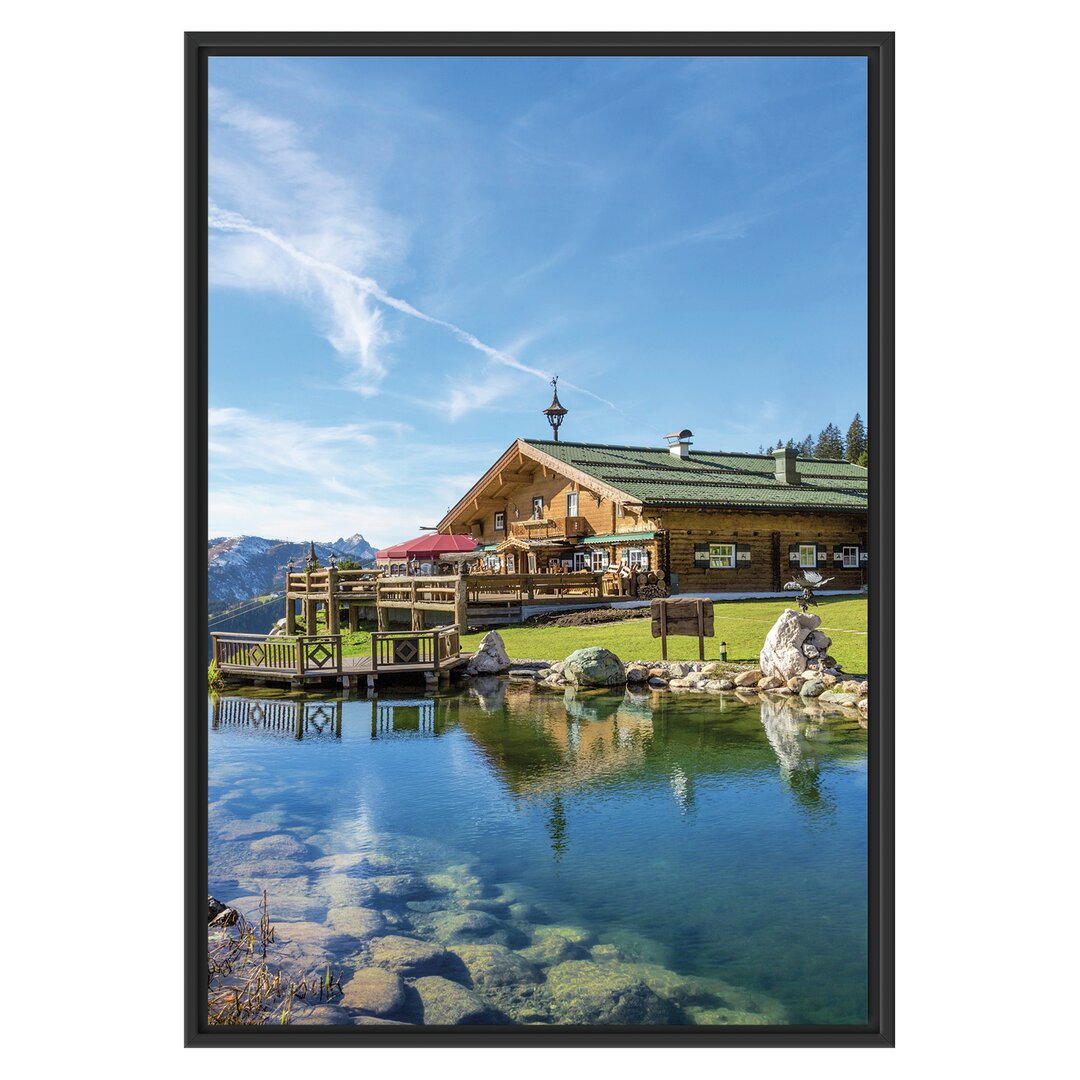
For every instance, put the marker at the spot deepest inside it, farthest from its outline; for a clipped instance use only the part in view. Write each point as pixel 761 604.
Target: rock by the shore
pixel 219 914
pixel 812 688
pixel 490 657
pixel 374 990
pixel 446 1002
pixel 594 667
pixel 637 673
pixel 782 653
pixel 748 678
pixel 281 846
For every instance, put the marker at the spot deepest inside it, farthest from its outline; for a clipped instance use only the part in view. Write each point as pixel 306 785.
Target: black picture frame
pixel 878 48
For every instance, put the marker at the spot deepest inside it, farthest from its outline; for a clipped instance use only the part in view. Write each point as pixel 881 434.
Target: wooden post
pixel 300 656
pixel 663 631
pixel 461 605
pixel 333 614
pixel 701 628
pixel 354 617
pixel 290 616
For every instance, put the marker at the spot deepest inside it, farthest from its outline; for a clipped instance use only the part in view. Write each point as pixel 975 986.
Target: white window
pixel 492 561
pixel 538 507
pixel 571 504
pixel 500 521
pixel 722 556
pixel 808 556
pixel 579 559
pixel 618 510
pixel 851 557
pixel 511 563
pixel 600 561
pixel 638 558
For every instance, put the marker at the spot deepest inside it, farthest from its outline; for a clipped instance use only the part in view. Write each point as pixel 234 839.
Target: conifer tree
pixel 856 439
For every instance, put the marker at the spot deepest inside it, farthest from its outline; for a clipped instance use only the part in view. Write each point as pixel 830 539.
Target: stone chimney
pixel 679 442
pixel 787 471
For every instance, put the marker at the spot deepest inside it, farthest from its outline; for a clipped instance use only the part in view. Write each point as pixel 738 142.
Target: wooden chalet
pixel 709 521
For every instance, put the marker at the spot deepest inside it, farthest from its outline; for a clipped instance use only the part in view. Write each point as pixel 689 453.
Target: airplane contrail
pixel 230 221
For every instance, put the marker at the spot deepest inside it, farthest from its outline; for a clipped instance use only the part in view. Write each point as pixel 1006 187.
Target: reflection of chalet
pixel 711 521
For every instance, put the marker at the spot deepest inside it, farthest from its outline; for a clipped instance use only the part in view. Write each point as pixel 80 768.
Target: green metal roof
pixel 488 547
pixel 615 538
pixel 713 479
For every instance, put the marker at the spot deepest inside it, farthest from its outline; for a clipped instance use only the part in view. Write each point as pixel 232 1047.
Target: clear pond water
pixel 709 849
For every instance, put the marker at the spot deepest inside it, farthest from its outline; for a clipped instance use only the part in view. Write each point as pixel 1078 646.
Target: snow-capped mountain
pixel 239 567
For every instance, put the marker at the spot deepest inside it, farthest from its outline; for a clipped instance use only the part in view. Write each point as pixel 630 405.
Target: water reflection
pixel 676 828
pixel 288 718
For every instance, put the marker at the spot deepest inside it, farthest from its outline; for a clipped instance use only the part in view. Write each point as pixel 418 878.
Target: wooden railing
pixel 277 655
pixel 482 587
pixel 550 528
pixel 414 649
pixel 345 583
pixel 420 593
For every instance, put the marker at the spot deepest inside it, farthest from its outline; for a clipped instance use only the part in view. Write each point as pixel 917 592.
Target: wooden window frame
pixel 571 495
pixel 500 521
pixel 597 556
pixel 812 565
pixel 537 510
pixel 643 564
pixel 733 565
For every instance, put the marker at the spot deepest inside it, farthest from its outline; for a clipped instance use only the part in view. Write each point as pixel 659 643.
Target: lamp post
pixel 555 411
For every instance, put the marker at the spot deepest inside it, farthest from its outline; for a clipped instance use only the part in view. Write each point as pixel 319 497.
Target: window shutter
pixel 838 556
pixel 863 556
pixel 793 554
pixel 742 555
pixel 701 555
pixel 822 555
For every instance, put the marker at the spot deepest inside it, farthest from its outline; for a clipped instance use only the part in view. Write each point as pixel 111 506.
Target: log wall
pixel 769 536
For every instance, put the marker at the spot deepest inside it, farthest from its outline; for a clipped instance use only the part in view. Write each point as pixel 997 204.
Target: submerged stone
pixel 470 926
pixel 585 992
pixel 496 965
pixel 356 922
pixel 446 1002
pixel 281 846
pixel 374 990
pixel 408 956
pixel 401 886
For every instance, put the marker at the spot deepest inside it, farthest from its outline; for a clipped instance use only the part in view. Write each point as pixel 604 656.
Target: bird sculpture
pixel 807 582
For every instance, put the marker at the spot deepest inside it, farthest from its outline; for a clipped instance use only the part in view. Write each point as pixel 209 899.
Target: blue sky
pixel 404 250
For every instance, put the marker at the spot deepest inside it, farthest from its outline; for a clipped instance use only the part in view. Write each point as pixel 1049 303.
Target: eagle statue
pixel 807 582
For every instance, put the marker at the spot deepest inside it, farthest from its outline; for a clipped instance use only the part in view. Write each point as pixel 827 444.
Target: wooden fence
pixel 428 650
pixel 251 653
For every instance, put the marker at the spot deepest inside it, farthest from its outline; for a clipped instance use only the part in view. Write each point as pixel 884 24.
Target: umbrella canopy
pixel 428 546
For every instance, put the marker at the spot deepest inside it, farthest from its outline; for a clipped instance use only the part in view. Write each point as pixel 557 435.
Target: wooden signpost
pixel 682 617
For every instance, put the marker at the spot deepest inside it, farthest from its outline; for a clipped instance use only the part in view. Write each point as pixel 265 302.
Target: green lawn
pixel 743 624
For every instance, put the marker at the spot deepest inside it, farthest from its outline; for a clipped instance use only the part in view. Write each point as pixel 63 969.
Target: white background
pixel 987 472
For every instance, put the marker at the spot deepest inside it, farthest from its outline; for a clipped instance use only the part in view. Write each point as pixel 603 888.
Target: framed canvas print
pixel 540 443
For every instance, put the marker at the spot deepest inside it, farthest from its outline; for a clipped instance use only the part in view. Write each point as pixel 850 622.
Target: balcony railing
pixel 550 528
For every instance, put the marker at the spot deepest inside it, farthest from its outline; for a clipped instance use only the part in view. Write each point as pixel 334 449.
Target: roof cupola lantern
pixel 555 412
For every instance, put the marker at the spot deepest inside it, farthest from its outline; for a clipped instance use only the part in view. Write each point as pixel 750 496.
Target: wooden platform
pixel 317 660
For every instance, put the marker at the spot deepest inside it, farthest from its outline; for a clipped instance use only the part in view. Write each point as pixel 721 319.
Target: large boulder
pixel 783 653
pixel 594 667
pixel 490 657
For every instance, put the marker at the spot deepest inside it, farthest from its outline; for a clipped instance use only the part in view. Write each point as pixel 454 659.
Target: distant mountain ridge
pixel 239 567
